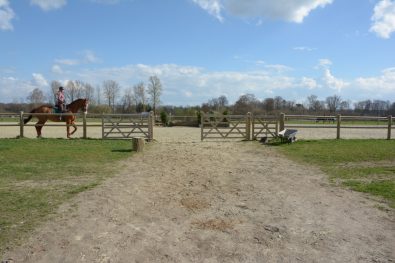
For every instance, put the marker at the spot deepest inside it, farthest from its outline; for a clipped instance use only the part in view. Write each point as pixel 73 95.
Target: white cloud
pixel 90 57
pixel 189 85
pixel 57 69
pixel 292 11
pixel 309 83
pixel 48 5
pixel 213 7
pixel 6 15
pixel 384 19
pixel 278 68
pixel 384 84
pixel 85 57
pixel 193 85
pixel 332 82
pixel 68 62
pixel 107 2
pixel 324 63
pixel 304 49
pixel 14 89
pixel 39 80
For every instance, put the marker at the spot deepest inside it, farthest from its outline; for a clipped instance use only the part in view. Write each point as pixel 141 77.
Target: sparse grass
pixel 37 175
pixel 362 165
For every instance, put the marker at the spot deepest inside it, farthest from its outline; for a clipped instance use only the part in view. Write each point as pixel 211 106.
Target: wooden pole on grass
pixel 248 126
pixel 282 121
pixel 21 125
pixel 339 120
pixel 138 144
pixel 84 125
pixel 151 123
pixel 201 125
pixel 389 127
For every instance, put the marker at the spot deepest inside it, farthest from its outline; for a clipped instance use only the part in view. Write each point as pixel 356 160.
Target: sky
pixel 202 49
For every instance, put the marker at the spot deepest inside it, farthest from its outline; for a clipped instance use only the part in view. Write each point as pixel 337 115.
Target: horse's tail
pixel 30 117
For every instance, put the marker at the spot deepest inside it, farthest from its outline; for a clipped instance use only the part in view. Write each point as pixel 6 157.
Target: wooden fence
pixel 252 127
pixel 114 126
pixel 126 126
pixel 219 126
pixel 337 122
pixel 264 126
pixel 119 126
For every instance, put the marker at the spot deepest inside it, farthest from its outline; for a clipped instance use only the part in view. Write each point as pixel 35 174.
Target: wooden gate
pixel 219 126
pixel 126 126
pixel 264 126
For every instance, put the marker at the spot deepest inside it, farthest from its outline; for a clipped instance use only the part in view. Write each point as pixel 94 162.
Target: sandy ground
pixel 183 200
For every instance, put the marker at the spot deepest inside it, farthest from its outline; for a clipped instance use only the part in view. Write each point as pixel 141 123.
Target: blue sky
pixel 202 49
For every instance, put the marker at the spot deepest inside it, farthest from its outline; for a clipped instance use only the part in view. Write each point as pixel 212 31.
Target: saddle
pixel 56 109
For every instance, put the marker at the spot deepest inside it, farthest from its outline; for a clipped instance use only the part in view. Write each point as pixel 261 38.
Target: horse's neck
pixel 73 107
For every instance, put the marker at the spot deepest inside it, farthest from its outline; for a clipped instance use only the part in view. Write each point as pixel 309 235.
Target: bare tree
pixel 128 100
pixel 246 103
pixel 36 96
pixel 333 103
pixel 98 95
pixel 79 89
pixel 269 104
pixel 363 106
pixel 70 91
pixel 314 104
pixel 223 101
pixel 345 105
pixel 111 91
pixel 154 90
pixel 279 103
pixel 140 96
pixel 88 92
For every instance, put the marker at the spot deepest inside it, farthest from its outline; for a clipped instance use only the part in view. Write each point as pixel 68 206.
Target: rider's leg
pixel 61 109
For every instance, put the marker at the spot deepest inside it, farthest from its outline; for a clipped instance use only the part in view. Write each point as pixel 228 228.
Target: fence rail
pixel 140 125
pixel 212 126
pixel 220 126
pixel 127 126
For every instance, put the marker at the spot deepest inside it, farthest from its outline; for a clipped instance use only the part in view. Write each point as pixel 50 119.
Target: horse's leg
pixel 75 128
pixel 68 128
pixel 39 125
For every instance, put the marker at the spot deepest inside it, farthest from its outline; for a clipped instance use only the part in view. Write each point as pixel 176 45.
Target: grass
pixel 362 165
pixel 36 176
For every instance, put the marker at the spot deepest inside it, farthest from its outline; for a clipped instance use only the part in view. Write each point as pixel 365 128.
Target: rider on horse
pixel 60 100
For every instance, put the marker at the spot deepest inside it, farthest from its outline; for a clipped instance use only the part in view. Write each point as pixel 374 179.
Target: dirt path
pixel 195 201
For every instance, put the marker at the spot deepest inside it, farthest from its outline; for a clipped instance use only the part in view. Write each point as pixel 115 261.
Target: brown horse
pixel 49 110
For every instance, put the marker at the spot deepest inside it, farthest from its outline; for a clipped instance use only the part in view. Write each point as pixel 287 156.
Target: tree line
pixel 109 97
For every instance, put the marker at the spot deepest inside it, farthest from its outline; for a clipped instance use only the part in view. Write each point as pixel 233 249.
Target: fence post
pixel 389 127
pixel 84 125
pixel 102 125
pixel 339 120
pixel 21 125
pixel 151 122
pixel 282 121
pixel 201 125
pixel 248 126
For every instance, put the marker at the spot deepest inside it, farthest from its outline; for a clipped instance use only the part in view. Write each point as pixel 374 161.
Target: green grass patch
pixel 362 165
pixel 37 175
